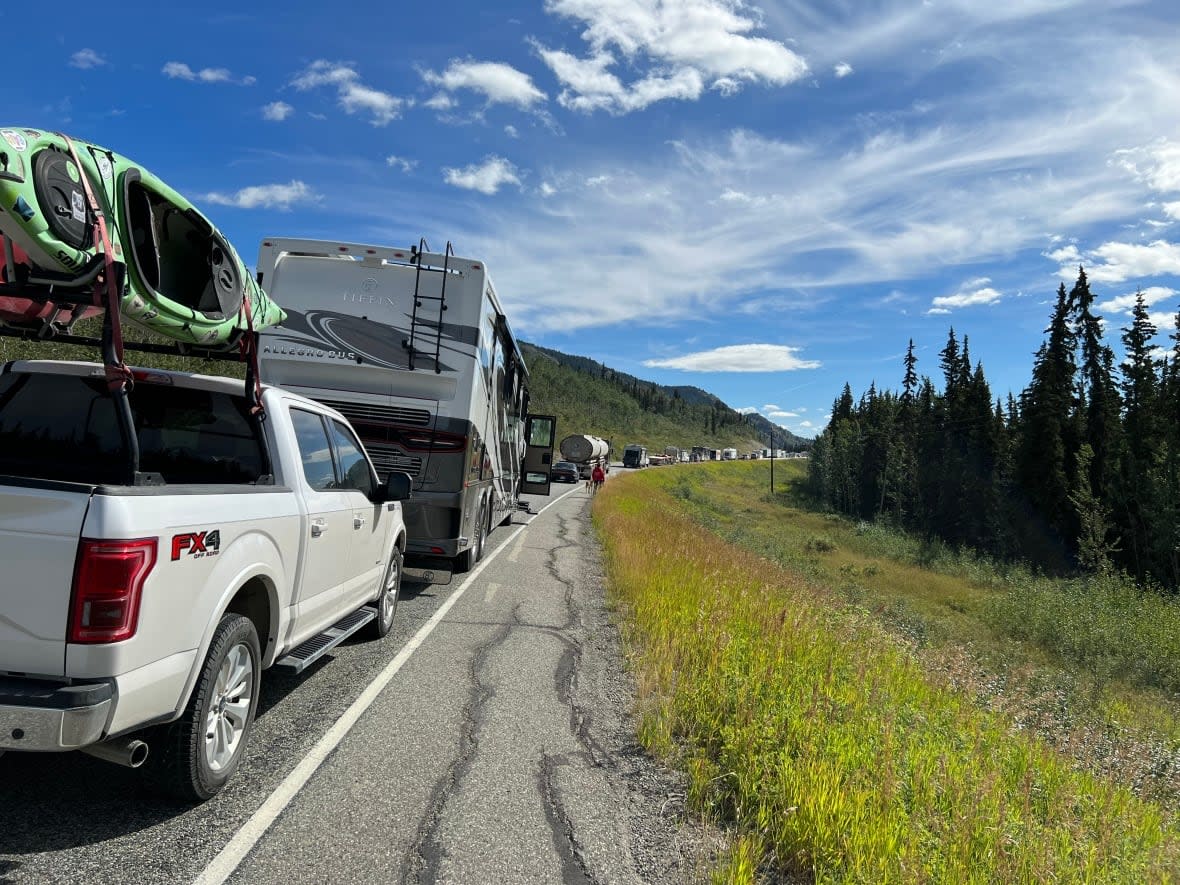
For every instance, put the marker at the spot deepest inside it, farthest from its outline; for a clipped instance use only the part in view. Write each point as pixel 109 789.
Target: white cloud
pixel 439 102
pixel 511 131
pixel 1065 256
pixel 807 424
pixel 779 415
pixel 402 163
pixel 738 358
pixel 770 407
pixel 499 83
pixel 277 111
pixel 1156 164
pixel 266 196
pixel 747 410
pixel 486 177
pixel 1172 210
pixel 547 190
pixel 965 298
pixel 178 70
pixel 1125 303
pixel 679 50
pixel 352 95
pixel 86 59
pixel 1117 262
pixel 842 70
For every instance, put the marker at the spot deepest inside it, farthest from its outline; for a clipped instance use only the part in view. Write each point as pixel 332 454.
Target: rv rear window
pixel 64 427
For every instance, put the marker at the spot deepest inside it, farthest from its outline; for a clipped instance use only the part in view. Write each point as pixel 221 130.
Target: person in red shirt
pixel 597 477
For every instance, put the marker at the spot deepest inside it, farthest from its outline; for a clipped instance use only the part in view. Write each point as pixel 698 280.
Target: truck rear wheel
pixel 193 757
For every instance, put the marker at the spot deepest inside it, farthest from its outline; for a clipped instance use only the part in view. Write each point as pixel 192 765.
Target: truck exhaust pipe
pixel 128 752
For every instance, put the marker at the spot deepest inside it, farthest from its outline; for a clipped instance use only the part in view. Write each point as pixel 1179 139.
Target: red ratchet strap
pixel 118 375
pixel 248 348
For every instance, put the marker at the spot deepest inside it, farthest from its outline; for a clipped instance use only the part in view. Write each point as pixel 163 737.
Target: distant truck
pixel 729 454
pixel 586 452
pixel 635 456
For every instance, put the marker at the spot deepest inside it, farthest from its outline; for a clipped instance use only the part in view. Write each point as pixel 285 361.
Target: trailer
pixel 586 452
pixel 414 349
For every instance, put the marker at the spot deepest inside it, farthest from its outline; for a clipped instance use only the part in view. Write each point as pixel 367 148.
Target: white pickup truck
pixel 140 602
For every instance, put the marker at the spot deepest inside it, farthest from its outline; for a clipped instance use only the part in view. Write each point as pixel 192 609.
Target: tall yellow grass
pixel 819 741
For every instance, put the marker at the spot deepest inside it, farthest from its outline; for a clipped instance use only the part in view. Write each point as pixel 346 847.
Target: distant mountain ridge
pixel 754 429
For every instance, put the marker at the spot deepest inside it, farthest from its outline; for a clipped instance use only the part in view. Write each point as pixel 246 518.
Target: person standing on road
pixel 597 477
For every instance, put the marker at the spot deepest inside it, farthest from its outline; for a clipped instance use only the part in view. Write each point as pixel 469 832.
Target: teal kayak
pixel 183 280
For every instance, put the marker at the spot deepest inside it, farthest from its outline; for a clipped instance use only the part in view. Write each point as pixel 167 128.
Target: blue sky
pixel 763 200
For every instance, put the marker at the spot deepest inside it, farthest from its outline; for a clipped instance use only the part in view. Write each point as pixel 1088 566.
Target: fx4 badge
pixel 196 544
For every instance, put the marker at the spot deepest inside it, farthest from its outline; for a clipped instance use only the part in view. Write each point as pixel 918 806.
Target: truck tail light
pixel 108 583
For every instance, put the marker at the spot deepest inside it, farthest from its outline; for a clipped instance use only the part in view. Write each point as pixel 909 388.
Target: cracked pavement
pixel 484 761
pixel 503 751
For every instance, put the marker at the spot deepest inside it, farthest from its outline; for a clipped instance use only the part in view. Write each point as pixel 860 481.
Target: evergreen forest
pixel 1080 472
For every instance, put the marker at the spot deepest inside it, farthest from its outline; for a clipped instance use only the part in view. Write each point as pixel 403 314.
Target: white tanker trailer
pixel 586 451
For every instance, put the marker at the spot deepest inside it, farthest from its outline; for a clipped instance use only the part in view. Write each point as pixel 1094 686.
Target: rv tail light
pixel 108 584
pixel 421 440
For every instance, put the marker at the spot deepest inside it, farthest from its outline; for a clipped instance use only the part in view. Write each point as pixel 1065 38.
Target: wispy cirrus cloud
pixel 352 94
pixel 738 358
pixel 266 196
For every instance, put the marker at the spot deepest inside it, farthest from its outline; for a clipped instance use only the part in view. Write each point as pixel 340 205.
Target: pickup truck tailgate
pixel 39 530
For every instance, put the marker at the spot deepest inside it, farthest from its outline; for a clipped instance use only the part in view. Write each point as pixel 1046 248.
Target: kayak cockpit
pixel 177 254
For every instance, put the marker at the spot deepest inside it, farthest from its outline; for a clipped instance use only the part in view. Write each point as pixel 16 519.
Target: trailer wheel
pixel 200 751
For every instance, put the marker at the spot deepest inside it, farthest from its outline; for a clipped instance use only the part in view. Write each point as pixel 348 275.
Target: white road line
pixel 244 840
pixel 515 554
pixel 491 591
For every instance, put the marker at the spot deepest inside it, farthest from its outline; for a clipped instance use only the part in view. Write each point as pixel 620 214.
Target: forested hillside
pixel 589 397
pixel 1082 470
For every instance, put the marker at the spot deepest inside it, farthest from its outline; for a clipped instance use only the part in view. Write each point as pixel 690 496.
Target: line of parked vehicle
pixel 157 562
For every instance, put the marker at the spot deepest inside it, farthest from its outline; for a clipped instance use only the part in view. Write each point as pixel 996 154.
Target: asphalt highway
pixel 488 738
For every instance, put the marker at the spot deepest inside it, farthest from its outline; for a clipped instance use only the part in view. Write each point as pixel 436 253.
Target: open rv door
pixel 539 432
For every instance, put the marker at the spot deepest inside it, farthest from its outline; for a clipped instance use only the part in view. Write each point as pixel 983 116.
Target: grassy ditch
pixel 821 741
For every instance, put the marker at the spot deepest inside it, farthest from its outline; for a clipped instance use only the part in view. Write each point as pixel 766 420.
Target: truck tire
pixel 194 756
pixel 391 584
pixel 467 560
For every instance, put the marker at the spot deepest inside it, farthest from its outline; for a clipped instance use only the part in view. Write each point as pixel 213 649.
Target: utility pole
pixel 772 464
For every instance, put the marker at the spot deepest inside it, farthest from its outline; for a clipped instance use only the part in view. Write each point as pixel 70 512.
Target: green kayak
pixel 183 279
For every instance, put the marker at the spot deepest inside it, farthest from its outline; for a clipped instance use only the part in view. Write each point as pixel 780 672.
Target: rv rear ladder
pixel 411 343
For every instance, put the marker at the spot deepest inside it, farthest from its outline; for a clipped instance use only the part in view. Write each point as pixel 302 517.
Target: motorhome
pixel 414 348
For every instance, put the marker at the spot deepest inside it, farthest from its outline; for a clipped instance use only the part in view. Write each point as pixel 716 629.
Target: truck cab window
pixel 314 450
pixel 355 472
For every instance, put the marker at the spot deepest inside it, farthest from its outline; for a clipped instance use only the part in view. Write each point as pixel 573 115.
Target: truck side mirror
pixel 398 486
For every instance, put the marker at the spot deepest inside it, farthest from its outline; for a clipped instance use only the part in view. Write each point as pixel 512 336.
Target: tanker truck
pixel 586 451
